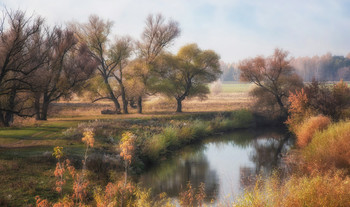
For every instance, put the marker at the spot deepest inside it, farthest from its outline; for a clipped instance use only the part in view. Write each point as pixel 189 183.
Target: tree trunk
pixel 116 105
pixel 179 105
pixel 8 118
pixel 283 109
pixel 139 105
pixel 125 102
pixel 44 110
pixel 37 106
pixel 112 97
pixel 3 121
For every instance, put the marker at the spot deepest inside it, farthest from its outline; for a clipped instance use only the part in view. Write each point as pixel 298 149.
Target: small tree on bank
pixel 188 73
pixel 274 77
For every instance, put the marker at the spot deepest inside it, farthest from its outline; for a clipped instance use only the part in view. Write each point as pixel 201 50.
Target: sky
pixel 235 29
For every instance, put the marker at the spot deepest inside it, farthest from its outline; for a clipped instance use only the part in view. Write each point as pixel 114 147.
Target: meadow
pixel 26 162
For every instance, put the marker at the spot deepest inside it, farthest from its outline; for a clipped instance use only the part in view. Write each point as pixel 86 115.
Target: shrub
pixel 186 134
pixel 242 119
pixel 200 129
pixel 158 144
pixel 329 148
pixel 309 127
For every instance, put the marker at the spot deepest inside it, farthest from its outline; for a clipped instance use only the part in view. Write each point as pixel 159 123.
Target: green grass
pixel 26 164
pixel 236 87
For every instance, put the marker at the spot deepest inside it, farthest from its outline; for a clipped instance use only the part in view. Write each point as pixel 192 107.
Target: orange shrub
pixel 309 127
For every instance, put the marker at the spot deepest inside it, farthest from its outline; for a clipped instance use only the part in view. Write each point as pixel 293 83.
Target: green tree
pixel 187 74
pixel 157 35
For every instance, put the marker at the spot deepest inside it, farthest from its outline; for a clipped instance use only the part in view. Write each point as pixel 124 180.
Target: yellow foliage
pixel 88 138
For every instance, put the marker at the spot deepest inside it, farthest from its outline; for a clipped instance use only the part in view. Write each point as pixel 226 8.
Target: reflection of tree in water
pixel 172 176
pixel 266 155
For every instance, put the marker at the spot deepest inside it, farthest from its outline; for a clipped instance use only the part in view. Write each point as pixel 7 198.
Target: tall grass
pixel 329 148
pixel 309 127
pixel 331 189
pixel 178 133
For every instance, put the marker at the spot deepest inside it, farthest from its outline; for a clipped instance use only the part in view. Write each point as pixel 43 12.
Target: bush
pixel 329 148
pixel 309 127
pixel 200 129
pixel 242 119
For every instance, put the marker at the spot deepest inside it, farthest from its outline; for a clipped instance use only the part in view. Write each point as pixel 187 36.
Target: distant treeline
pixel 323 68
pixel 229 72
pixel 327 67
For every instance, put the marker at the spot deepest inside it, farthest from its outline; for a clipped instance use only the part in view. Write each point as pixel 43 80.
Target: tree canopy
pixel 275 78
pixel 188 73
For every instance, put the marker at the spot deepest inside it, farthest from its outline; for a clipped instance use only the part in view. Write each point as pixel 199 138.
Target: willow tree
pixel 157 35
pixel 95 34
pixel 275 78
pixel 187 74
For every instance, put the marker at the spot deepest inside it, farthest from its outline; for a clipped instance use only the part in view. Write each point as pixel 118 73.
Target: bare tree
pixel 156 36
pixel 68 66
pixel 95 34
pixel 22 51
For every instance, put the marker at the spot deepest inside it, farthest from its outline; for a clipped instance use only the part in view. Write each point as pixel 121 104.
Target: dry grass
pixel 309 127
pixel 154 105
pixel 329 148
pixel 331 189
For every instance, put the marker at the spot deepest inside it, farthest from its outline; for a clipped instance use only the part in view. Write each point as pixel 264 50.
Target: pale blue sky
pixel 236 29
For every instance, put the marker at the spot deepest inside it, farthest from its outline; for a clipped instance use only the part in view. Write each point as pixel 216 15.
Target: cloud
pixel 236 29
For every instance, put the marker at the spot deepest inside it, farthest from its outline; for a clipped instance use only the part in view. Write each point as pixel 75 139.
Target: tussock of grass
pixel 309 128
pixel 329 148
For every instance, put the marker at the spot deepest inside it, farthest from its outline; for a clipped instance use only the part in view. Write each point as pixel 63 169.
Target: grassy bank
pixel 27 165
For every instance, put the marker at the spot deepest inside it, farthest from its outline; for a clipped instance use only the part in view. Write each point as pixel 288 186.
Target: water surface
pixel 227 164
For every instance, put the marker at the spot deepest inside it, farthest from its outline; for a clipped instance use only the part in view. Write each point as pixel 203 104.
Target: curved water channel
pixel 227 164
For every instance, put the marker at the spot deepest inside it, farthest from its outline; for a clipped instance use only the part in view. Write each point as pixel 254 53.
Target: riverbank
pixel 27 164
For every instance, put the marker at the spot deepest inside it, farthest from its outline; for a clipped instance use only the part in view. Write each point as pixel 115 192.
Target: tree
pixel 67 68
pixel 121 52
pixel 274 77
pixel 22 52
pixel 156 36
pixel 95 34
pixel 188 73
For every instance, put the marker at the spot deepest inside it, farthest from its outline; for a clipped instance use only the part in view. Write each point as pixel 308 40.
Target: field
pixel 26 162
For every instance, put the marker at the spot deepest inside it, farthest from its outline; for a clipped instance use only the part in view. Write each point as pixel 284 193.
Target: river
pixel 227 164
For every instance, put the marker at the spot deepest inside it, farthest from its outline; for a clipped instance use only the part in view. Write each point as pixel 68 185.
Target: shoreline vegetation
pixel 157 138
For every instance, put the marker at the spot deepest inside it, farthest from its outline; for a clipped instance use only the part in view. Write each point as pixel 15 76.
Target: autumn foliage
pixel 309 127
